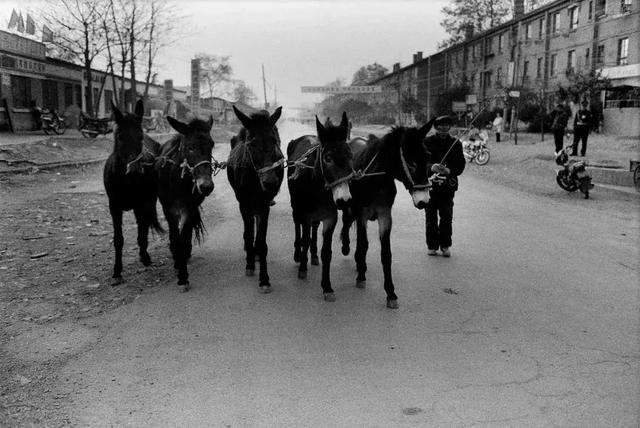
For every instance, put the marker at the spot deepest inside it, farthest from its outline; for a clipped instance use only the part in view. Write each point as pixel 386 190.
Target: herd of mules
pixel 326 173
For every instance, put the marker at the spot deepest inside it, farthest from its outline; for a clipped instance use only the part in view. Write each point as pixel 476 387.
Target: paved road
pixel 543 329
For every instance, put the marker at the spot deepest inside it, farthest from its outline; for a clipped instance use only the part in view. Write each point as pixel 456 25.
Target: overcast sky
pixel 299 42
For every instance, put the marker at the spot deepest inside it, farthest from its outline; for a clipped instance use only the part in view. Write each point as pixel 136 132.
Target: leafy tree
pixel 356 109
pixel 472 15
pixel 242 93
pixel 448 96
pixel 583 85
pixel 214 71
pixel 368 73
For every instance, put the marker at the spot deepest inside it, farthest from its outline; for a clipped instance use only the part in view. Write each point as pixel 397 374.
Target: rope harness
pixel 139 158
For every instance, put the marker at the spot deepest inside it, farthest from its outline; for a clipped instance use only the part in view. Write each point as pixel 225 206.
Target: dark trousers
pixel 497 137
pixel 439 232
pixel 558 138
pixel 580 134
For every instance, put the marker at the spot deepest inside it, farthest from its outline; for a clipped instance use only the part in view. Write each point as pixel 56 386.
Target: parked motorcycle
pixel 476 151
pixel 574 174
pixel 91 127
pixel 52 123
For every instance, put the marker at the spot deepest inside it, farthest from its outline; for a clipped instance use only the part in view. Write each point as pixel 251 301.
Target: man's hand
pixel 440 169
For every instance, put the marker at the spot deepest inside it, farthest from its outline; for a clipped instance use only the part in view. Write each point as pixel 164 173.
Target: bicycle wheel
pixel 59 128
pixel 483 157
pixel 564 182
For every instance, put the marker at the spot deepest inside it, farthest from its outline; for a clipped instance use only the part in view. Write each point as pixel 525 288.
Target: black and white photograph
pixel 320 213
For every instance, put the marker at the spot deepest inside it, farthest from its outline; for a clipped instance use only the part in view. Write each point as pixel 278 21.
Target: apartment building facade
pixel 537 51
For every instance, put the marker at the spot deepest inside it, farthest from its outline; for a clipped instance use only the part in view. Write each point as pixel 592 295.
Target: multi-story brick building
pixel 537 51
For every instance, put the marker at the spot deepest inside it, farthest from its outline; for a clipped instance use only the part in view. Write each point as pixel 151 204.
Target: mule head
pixel 412 164
pixel 195 149
pixel 128 135
pixel 263 147
pixel 336 159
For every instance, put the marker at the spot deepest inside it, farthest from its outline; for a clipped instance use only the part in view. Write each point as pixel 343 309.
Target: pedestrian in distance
pixel 559 117
pixel 581 125
pixel 497 126
pixel 447 152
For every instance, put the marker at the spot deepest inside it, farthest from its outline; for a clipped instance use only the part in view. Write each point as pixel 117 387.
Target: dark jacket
pixel 560 119
pixel 454 160
pixel 583 120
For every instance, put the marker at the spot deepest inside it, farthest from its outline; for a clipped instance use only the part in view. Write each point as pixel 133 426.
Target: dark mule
pixel 184 180
pixel 319 186
pixel 131 183
pixel 399 155
pixel 256 169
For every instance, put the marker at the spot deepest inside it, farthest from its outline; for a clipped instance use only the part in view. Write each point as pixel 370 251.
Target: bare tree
pixel 77 33
pixel 214 70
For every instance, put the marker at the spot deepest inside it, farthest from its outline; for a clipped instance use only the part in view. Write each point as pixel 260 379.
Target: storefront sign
pixel 342 89
pixel 195 85
pixel 459 106
pixel 21 45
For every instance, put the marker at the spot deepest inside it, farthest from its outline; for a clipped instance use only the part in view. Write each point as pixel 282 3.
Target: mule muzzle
pixel 204 185
pixel 420 198
pixel 341 195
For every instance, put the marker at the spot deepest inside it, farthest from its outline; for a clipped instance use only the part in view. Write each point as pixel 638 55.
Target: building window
pixel 78 97
pixel 571 61
pixel 539 68
pixel 625 6
pixel 472 81
pixel 601 8
pixel 586 57
pixel 600 56
pixel 488 47
pixel 552 64
pixel 590 10
pixel 499 77
pixel 623 51
pixel 68 94
pixel 500 38
pixel 487 79
pixel 541 29
pixel 96 100
pixel 108 97
pixel 573 17
pixel 525 70
pixel 555 22
pixel 527 31
pixel 50 94
pixel 21 88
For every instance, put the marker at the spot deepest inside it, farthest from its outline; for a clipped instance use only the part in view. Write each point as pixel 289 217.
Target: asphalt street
pixel 534 321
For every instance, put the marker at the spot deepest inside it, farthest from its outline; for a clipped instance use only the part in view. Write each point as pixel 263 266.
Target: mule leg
pixel 297 244
pixel 362 246
pixel 182 257
pixel 384 230
pixel 118 242
pixel 328 226
pixel 262 249
pixel 314 243
pixel 302 268
pixel 347 221
pixel 142 219
pixel 248 219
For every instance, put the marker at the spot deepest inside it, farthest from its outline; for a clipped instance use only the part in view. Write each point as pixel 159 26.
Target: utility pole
pixel 264 89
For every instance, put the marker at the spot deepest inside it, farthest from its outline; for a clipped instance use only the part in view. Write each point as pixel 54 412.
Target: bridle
pixel 407 173
pixel 139 158
pixel 261 172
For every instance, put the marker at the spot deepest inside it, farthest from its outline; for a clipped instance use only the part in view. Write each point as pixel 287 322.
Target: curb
pixel 53 165
pixel 616 177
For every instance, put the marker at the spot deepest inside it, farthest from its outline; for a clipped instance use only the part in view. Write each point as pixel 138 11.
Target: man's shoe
pixel 445 252
pixel 432 252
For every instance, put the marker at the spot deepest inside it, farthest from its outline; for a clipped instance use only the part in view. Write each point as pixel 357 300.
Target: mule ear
pixel 139 109
pixel 210 122
pixel 275 116
pixel 243 118
pixel 116 112
pixel 344 123
pixel 319 127
pixel 182 128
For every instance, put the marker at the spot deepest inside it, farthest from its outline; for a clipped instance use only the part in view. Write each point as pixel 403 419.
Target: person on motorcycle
pixel 446 153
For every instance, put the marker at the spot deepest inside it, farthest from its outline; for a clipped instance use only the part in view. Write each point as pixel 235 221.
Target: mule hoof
pixel 302 274
pixel 345 250
pixel 184 287
pixel 264 289
pixel 361 284
pixel 315 261
pixel 329 297
pixel 116 280
pixel 392 304
pixel 249 272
